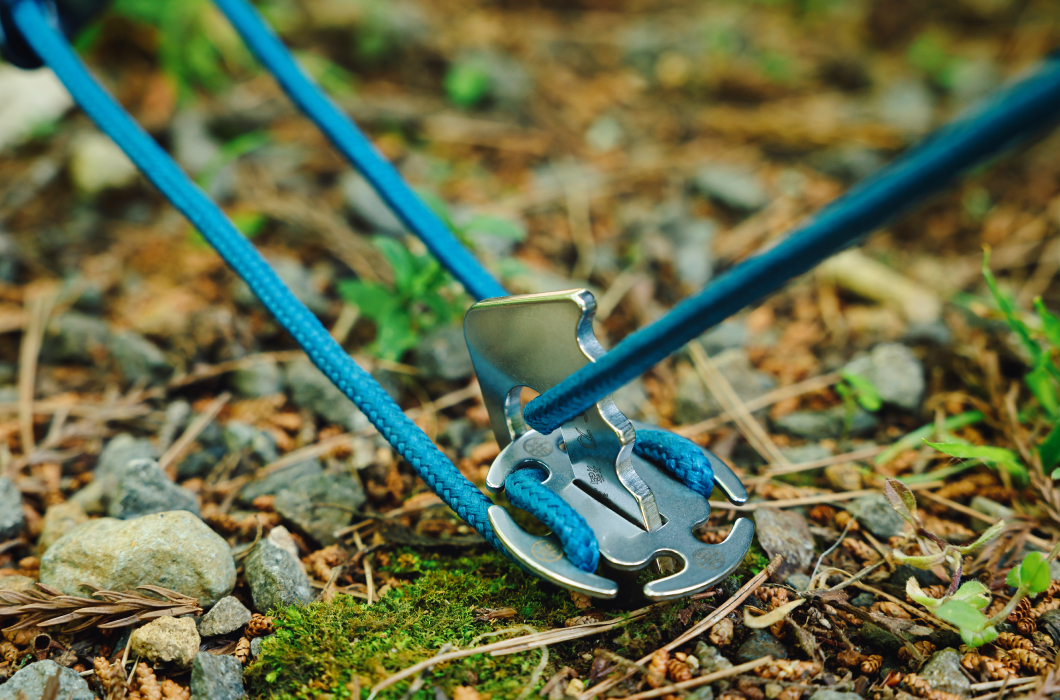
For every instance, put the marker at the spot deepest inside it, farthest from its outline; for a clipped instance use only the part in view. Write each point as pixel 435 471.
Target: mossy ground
pixel 321 648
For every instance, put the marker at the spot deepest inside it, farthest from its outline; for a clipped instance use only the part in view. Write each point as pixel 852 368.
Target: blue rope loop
pixel 1014 113
pixel 525 490
pixel 359 151
pixel 680 456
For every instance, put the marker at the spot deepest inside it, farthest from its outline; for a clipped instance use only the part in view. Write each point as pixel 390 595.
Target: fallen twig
pixel 701 680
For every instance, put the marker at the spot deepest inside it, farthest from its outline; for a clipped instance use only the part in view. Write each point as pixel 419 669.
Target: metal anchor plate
pixel 637 511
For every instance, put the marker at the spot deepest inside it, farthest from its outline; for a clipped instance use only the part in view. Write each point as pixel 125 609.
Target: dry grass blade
pixel 49 607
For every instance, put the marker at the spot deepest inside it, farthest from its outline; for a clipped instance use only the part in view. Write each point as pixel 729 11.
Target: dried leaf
pixel 772 617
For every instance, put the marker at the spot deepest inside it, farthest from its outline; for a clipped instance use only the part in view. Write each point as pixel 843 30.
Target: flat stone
pixel 725 336
pixel 116 454
pixel 758 644
pixel 310 389
pixel 693 402
pixel 17 583
pixel 174 550
pixel 786 533
pixel 275 576
pixel 732 185
pixel 280 480
pixel 843 477
pixel 876 637
pixel 895 371
pixel 227 616
pixel 818 425
pixel 76 337
pixel 138 358
pixel 29 682
pixel 365 204
pixel 167 639
pixel 242 437
pixel 1049 621
pixel 943 672
pixel 443 355
pixel 321 504
pixel 58 520
pixel 12 518
pixel 876 514
pixel 31 98
pixel 907 105
pixel 863 600
pixel 97 164
pixel 143 488
pixel 217 677
pixel 263 377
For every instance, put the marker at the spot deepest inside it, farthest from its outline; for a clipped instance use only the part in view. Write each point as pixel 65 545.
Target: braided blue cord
pixel 525 491
pixel 353 144
pixel 1015 112
pixel 409 441
pixel 680 456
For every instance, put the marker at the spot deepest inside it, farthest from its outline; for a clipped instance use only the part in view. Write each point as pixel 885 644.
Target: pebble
pixel 275 575
pixel 263 377
pixel 167 639
pixel 818 425
pixel 227 616
pixel 908 106
pixel 76 337
pixel 826 694
pixel 304 284
pixel 875 513
pixel 786 533
pixel 14 582
pixel 311 390
pixel 724 336
pixel 143 488
pixel 758 644
pixel 896 373
pixel 875 637
pixel 943 671
pixel 118 452
pixel 217 677
pixel 443 355
pixel 31 98
pixel 732 185
pixel 58 520
pixel 321 504
pixel 711 658
pixel 693 240
pixel 255 645
pixel 800 582
pixel 12 518
pixel 97 164
pixel 1049 621
pixel 138 358
pixel 843 477
pixel 863 600
pixel 849 162
pixel 281 480
pixel 605 134
pixel 810 452
pixel 29 682
pixel 366 205
pixel 193 145
pixel 199 463
pixel 693 402
pixel 243 437
pixel 174 549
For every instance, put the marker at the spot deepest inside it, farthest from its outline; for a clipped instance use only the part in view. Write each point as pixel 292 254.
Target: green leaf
pixel 987 535
pixel 921 562
pixel 1034 573
pixel 1049 450
pixel 1056 473
pixel 467 83
pixel 964 616
pixel 913 439
pixel 916 594
pixel 975 593
pixel 902 500
pixel 1000 456
pixel 1040 381
pixel 373 300
pixel 864 391
pixel 1008 310
pixel 1050 323
pixel 401 260
pixel 1012 578
pixel 497 226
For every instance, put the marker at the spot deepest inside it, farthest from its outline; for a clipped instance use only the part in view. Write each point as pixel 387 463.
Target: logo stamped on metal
pixel 538 447
pixel 546 552
pixel 709 558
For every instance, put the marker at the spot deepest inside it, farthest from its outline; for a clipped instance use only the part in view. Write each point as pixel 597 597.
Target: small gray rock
pixel 876 514
pixel 240 437
pixel 281 480
pixel 255 645
pixel 943 672
pixel 143 488
pixel 11 516
pixel 896 373
pixel 786 533
pixel 262 377
pixel 724 336
pixel 800 582
pixel 138 358
pixel 875 637
pixel 76 337
pixel 734 186
pixel 810 452
pixel 366 205
pixel 693 257
pixel 908 106
pixel 227 616
pixel 275 576
pixel 319 505
pixel 217 677
pixel 1049 621
pixel 760 643
pixel 199 463
pixel 818 425
pixel 174 549
pixel 305 285
pixel 826 694
pixel 849 162
pixel 167 639
pixel 118 452
pixel 58 520
pixel 693 402
pixel 443 355
pixel 710 658
pixel 311 390
pixel 29 682
pixel 863 600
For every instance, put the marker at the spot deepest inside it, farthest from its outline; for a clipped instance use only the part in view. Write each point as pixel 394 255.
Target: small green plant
pixel 855 391
pixel 963 603
pixel 467 83
pixel 424 297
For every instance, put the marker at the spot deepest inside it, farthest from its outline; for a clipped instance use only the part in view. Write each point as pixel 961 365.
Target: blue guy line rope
pixel 364 156
pixel 409 441
pixel 1015 112
pixel 525 490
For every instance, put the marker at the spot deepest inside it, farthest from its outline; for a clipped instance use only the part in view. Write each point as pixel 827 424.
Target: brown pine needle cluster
pixel 49 607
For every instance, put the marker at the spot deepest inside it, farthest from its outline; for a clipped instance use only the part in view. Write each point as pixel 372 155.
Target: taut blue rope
pixel 353 144
pixel 1011 114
